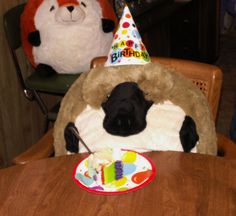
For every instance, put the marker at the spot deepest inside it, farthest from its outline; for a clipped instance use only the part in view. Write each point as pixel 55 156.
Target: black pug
pixel 125 110
pixel 125 114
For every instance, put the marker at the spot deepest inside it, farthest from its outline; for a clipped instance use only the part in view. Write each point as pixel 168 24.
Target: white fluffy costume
pixel 65 35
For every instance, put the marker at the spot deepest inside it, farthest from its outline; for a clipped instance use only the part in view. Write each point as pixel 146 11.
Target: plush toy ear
pixel 188 134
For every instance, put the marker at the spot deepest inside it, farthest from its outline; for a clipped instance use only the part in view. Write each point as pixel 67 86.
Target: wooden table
pixel 185 184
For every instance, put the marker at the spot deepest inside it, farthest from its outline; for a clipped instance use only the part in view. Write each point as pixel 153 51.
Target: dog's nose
pixel 70 8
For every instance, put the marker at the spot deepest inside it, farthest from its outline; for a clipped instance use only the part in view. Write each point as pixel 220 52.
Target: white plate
pixel 139 170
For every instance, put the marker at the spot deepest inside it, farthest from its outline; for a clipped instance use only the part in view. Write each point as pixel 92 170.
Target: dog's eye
pixel 52 8
pixel 83 4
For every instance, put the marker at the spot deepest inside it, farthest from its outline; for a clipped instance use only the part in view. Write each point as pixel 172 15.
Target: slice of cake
pixel 105 166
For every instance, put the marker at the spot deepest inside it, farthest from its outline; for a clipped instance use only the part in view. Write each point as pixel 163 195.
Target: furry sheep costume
pixel 157 82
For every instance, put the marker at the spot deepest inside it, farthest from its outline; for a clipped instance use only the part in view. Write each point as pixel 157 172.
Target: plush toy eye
pixel 83 4
pixel 52 8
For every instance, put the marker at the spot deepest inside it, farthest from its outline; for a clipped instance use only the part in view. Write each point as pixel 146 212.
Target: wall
pixel 21 121
pixel 195 31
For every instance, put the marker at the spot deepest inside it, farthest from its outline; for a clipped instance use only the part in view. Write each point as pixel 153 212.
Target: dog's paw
pixel 72 143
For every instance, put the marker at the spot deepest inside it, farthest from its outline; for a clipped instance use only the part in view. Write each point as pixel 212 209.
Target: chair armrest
pixel 226 147
pixel 42 149
pixel 98 62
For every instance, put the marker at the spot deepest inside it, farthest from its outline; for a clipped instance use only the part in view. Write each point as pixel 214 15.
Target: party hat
pixel 127 46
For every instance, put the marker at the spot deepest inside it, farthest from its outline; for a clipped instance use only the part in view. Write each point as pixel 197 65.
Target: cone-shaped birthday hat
pixel 127 46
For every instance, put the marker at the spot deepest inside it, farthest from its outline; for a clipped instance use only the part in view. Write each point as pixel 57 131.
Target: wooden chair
pixel 33 85
pixel 207 77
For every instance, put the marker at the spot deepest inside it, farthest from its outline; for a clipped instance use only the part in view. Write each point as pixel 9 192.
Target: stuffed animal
pixel 63 36
pixel 160 110
pixel 134 104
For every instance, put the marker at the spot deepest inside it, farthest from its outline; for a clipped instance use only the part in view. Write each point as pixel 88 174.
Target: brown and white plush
pixel 164 87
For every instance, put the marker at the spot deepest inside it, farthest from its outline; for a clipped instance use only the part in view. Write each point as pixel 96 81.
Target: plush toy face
pixel 125 110
pixel 53 12
pixel 65 34
pixel 132 122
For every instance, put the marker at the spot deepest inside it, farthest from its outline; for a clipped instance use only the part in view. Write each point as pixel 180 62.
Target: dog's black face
pixel 125 110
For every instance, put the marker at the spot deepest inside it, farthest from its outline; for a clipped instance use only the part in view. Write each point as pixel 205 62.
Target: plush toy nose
pixel 70 8
pixel 123 120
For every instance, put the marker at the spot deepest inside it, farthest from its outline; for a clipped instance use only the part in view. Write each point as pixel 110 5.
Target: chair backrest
pixel 205 76
pixel 11 24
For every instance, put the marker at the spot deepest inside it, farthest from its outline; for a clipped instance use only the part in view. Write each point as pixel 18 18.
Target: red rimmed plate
pixel 138 169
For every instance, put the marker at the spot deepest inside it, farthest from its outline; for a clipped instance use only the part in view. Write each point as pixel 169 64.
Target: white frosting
pixel 100 159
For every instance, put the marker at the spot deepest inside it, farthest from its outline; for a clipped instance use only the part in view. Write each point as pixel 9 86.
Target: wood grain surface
pixel 185 184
